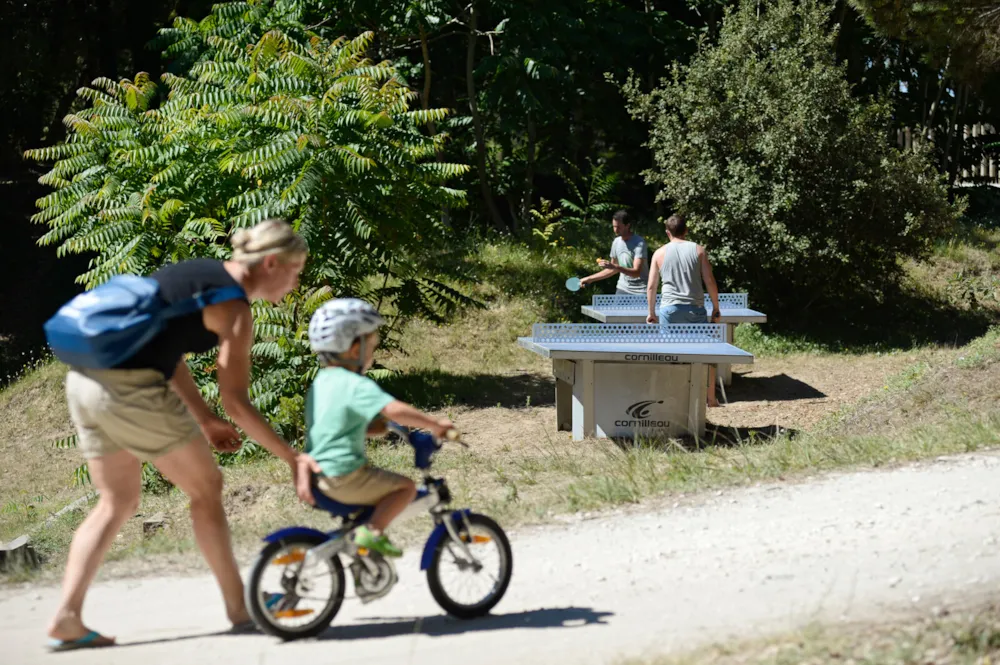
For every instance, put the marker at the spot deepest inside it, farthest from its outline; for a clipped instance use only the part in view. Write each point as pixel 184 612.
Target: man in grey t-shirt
pixel 685 272
pixel 629 259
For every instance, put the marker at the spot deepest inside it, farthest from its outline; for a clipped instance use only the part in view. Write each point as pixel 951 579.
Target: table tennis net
pixel 726 301
pixel 629 333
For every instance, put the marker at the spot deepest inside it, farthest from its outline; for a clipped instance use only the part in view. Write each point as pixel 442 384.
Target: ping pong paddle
pixel 573 283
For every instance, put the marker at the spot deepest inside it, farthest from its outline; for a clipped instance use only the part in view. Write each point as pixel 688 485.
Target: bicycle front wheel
pixel 471 588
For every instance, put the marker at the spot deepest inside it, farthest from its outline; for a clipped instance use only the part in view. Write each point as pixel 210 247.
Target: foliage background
pixel 536 135
pixel 785 175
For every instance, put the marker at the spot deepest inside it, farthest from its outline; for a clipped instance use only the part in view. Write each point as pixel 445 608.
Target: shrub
pixel 790 181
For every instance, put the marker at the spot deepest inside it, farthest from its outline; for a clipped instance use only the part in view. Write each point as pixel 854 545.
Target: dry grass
pixel 967 637
pixel 798 391
pixel 33 473
pixel 944 386
pixel 520 469
pixel 482 342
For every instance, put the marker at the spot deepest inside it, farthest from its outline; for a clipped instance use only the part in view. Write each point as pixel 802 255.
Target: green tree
pixel 963 33
pixel 952 76
pixel 270 119
pixel 788 179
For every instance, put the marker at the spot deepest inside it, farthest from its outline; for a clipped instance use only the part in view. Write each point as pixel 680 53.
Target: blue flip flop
pixel 245 628
pixel 91 640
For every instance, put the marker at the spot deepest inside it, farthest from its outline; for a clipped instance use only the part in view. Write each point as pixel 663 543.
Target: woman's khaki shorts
pixel 363 487
pixel 127 409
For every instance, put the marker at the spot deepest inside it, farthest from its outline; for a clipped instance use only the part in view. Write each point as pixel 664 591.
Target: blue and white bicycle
pixel 297 584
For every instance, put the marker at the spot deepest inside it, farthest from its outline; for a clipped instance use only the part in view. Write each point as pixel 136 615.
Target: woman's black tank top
pixel 184 334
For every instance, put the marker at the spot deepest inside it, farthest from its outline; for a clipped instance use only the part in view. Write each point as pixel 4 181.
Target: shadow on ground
pixel 777 388
pixel 904 319
pixel 716 436
pixel 726 436
pixel 432 626
pixel 434 389
pixel 442 625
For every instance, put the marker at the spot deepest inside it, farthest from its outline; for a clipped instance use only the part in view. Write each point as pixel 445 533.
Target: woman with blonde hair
pixel 148 408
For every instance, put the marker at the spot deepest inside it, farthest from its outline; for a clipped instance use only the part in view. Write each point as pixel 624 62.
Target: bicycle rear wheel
pixel 296 603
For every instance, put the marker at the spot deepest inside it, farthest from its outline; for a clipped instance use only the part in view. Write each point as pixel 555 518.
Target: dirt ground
pixel 796 392
pixel 793 393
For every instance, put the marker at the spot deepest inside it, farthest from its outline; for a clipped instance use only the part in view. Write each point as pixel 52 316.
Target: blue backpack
pixel 103 327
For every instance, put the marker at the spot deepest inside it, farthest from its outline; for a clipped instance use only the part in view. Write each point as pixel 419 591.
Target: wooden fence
pixel 987 171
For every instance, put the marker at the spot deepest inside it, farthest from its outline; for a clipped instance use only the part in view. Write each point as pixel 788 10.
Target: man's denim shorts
pixel 683 314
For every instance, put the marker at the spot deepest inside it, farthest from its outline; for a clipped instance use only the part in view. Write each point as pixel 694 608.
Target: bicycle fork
pixel 449 525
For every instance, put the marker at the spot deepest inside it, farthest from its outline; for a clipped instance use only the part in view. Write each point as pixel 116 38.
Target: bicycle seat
pixel 337 509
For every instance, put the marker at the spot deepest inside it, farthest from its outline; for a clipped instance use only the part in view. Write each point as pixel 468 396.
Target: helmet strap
pixel 360 362
pixel 356 365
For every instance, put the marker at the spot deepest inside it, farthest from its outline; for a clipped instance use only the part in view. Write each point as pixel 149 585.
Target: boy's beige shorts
pixel 127 409
pixel 363 487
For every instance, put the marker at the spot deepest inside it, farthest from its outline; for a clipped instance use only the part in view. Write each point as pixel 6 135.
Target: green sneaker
pixel 363 537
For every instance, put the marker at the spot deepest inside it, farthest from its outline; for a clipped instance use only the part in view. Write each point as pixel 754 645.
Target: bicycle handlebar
pixel 452 434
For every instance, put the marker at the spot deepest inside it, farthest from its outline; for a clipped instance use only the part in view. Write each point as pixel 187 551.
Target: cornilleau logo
pixel 639 415
pixel 641 409
pixel 651 357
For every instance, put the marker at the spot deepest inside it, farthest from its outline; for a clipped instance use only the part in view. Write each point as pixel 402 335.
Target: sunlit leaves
pixel 266 120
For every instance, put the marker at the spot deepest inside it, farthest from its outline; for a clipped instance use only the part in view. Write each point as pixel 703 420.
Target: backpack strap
pixel 202 300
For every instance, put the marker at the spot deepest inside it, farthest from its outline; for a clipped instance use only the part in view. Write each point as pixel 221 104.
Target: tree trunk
pixel 937 101
pixel 477 122
pixel 949 165
pixel 923 115
pixel 425 102
pixel 425 98
pixel 840 24
pixel 529 173
pixel 963 118
pixel 648 4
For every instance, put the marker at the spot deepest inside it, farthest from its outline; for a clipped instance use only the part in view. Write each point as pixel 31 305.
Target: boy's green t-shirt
pixel 339 406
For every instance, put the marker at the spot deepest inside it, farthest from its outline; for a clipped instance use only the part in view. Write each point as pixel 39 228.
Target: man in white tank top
pixel 628 259
pixel 685 271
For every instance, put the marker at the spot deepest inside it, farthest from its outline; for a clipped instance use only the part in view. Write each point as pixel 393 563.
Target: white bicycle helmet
pixel 337 323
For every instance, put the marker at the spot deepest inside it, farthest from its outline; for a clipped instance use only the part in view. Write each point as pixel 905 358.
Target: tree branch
pixel 477 122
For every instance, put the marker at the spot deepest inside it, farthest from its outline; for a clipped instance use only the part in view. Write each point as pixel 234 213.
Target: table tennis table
pixel 634 308
pixel 623 380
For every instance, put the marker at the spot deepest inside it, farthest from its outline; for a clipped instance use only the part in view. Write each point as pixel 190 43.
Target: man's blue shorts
pixel 683 314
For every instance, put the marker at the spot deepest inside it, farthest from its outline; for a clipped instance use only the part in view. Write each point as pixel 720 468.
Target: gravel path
pixel 667 578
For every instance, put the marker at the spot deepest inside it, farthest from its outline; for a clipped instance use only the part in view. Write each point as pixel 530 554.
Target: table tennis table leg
pixel 565 374
pixel 725 371
pixel 722 386
pixel 697 400
pixel 584 411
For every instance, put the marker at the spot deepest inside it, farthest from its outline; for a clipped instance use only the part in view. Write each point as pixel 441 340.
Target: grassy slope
pixel 520 468
pixel 967 637
pixel 34 474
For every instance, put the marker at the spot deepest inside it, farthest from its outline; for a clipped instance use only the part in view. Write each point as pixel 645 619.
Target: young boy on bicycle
pixel 344 406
